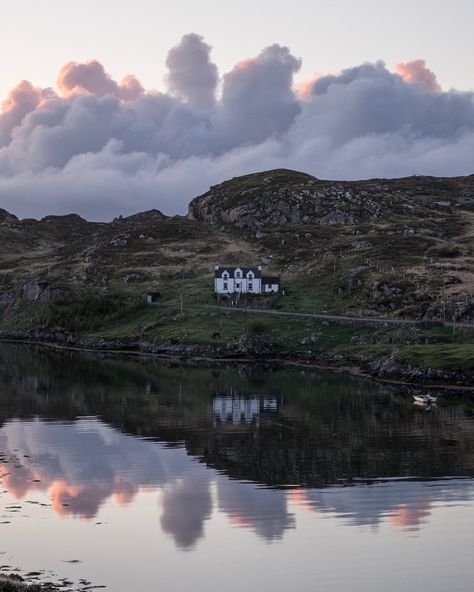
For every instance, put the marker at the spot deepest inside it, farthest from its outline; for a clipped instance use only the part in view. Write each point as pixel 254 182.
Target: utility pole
pixel 444 305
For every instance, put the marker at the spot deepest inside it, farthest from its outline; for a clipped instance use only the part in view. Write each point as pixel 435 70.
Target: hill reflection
pixel 87 431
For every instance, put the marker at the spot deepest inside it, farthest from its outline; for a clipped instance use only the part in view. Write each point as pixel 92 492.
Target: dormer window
pixel 238 274
pixel 250 275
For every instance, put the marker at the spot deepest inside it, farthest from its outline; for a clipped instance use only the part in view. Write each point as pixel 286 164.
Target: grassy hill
pixel 379 248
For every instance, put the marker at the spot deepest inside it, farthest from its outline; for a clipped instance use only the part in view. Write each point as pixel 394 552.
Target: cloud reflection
pixel 83 464
pixel 405 505
pixel 187 505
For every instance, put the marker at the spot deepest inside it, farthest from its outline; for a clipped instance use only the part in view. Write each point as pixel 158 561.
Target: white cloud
pixel 102 148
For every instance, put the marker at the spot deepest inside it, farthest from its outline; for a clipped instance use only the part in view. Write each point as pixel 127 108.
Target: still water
pixel 139 476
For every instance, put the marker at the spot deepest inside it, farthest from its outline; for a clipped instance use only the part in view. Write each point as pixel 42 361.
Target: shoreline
pixel 334 361
pixel 16 583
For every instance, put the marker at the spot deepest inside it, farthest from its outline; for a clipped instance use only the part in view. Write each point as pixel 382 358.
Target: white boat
pixel 425 399
pixel 425 406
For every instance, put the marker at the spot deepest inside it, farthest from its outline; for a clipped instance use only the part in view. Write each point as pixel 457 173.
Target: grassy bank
pixel 183 316
pixel 15 584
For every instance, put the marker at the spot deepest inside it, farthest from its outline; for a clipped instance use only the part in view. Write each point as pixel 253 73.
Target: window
pixel 237 285
pixel 238 274
pixel 250 285
pixel 225 285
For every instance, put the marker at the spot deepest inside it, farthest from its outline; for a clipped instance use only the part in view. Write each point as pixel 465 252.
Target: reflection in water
pixel 187 504
pixel 406 505
pixel 82 464
pixel 262 510
pixel 235 409
pixel 263 451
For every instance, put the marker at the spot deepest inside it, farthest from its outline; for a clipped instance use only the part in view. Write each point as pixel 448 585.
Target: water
pixel 139 476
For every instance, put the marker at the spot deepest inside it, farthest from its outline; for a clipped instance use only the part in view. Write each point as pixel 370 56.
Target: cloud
pixel 102 148
pixel 257 97
pixel 416 72
pixel 91 77
pixel 23 99
pixel 192 76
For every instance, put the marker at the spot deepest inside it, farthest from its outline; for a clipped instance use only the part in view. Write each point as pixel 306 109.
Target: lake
pixel 137 475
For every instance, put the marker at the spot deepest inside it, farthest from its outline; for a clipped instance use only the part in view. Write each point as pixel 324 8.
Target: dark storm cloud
pixel 100 148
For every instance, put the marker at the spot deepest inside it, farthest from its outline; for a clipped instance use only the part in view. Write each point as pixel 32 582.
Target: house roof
pixel 231 270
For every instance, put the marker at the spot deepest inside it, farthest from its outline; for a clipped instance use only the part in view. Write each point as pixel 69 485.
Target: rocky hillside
pixel 399 248
pixel 60 262
pixel 402 246
pixel 288 197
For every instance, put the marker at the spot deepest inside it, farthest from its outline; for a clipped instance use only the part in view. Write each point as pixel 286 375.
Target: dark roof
pixel 270 279
pixel 231 270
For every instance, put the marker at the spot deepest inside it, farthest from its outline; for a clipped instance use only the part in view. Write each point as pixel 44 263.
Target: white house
pixel 244 280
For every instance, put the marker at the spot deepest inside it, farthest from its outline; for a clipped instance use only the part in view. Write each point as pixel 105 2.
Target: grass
pixel 163 323
pixel 13 584
pixel 449 357
pixel 442 357
pixel 127 317
pixel 176 257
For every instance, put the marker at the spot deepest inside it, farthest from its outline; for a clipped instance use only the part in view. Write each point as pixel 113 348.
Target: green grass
pixel 123 315
pixel 442 357
pixel 162 323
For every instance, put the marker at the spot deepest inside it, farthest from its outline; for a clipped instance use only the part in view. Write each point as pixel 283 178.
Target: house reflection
pixel 234 409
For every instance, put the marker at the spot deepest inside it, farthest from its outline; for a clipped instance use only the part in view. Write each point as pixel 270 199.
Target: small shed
pixel 152 297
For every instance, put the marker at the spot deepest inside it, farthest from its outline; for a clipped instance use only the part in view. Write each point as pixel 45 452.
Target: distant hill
pixel 282 197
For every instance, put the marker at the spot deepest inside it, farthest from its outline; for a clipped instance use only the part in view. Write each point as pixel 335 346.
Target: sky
pixel 37 38
pixel 240 94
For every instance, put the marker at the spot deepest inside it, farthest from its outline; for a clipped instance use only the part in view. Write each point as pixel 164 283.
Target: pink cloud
pixel 130 88
pixel 23 99
pixel 91 78
pixel 416 72
pixel 24 96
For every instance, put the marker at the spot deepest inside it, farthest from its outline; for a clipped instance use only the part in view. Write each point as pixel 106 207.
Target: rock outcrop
pixel 288 197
